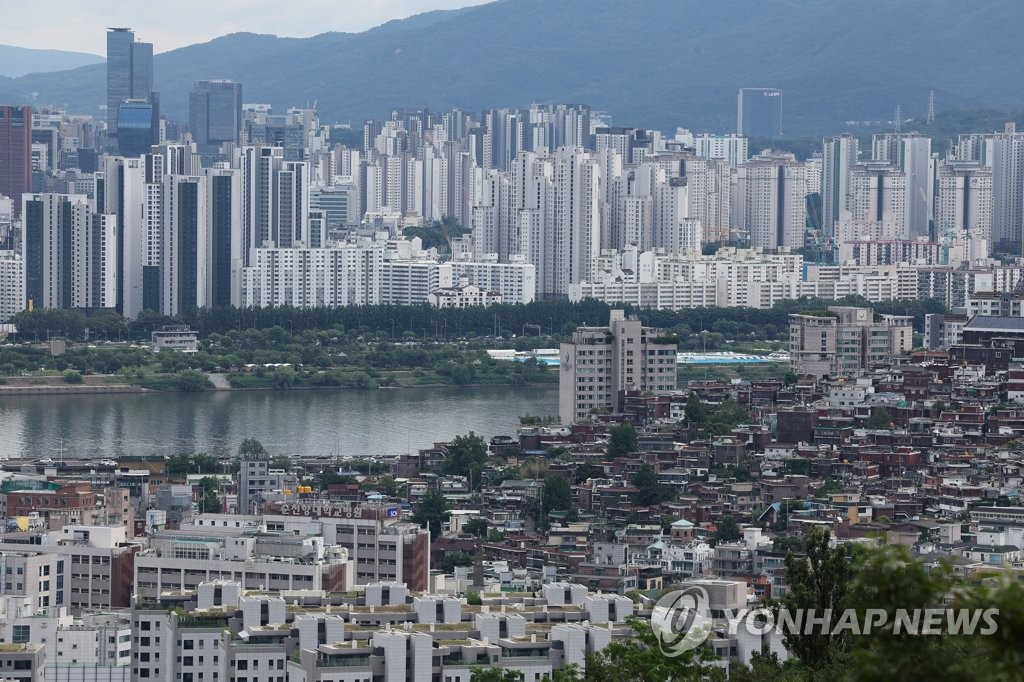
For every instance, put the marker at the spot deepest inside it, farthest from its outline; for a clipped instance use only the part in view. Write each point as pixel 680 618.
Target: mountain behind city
pixel 653 63
pixel 18 61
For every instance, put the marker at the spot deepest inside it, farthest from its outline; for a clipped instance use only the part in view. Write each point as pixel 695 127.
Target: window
pixel 21 634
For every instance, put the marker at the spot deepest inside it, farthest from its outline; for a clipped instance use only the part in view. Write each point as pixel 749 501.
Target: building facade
pixel 602 362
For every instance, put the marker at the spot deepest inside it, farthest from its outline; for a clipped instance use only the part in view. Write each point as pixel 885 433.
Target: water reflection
pixel 346 422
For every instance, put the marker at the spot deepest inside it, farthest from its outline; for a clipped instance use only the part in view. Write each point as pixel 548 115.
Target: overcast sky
pixel 80 25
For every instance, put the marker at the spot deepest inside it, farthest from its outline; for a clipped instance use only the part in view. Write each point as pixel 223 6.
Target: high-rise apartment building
pixel 70 253
pixel 919 169
pixel 729 148
pixel 184 269
pixel 602 362
pixel 846 341
pixel 12 284
pixel 878 193
pixel 771 201
pixel 15 153
pixel 129 74
pixel 1006 157
pixel 963 207
pixel 215 114
pixel 838 159
pixel 759 112
pixel 227 250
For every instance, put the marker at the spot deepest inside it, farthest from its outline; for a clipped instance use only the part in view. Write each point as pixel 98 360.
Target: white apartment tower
pixel 771 201
pixel 964 204
pixel 602 362
pixel 1006 158
pixel 878 193
pixel 839 156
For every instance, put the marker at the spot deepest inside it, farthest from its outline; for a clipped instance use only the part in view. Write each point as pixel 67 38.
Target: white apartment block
pixel 878 193
pixel 515 281
pixel 964 205
pixel 602 362
pixel 12 285
pixel 350 274
pixel 771 201
pixel 409 282
pixel 729 148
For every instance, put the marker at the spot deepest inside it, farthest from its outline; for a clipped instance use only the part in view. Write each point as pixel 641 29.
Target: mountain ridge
pixel 18 61
pixel 652 63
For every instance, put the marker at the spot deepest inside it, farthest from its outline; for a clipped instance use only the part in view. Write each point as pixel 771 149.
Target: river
pixel 345 422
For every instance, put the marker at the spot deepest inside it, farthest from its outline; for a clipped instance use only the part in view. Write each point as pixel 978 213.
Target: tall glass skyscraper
pixel 215 114
pixel 129 74
pixel 759 112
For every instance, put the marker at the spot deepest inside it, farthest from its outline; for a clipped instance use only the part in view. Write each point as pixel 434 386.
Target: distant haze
pixel 18 61
pixel 649 63
pixel 81 26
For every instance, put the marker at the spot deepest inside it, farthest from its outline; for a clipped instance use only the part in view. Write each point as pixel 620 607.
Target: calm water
pixel 348 422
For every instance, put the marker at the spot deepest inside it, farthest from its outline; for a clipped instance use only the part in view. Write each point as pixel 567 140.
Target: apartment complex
pixel 602 362
pixel 846 341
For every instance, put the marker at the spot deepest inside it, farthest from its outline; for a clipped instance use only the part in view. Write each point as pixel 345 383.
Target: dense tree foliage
pixel 718 420
pixel 180 466
pixel 727 530
pixel 622 440
pixel 210 500
pixel 650 491
pixel 466 457
pixel 555 318
pixel 432 511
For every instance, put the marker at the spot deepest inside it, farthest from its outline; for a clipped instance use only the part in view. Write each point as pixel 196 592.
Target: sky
pixel 80 25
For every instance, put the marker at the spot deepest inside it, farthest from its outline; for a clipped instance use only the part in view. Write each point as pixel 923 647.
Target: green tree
pixel 640 658
pixel 72 377
pixel 432 511
pixel 191 381
pixel 476 527
pixel 284 377
pixel 696 411
pixel 281 462
pixel 453 559
pixel 179 466
pixel 203 463
pixel 727 530
pixel 556 496
pixel 210 501
pixel 329 477
pixel 505 474
pixel 886 580
pixel 819 580
pixel 622 440
pixel 250 447
pixel 474 599
pixel 650 490
pixel 879 419
pixel 725 418
pixel 466 457
pixel 585 471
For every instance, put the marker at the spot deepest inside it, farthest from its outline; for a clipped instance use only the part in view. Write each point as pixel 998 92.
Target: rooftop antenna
pixel 899 118
pixel 931 107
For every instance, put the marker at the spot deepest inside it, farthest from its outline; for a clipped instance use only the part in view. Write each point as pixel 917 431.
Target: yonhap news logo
pixel 681 620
